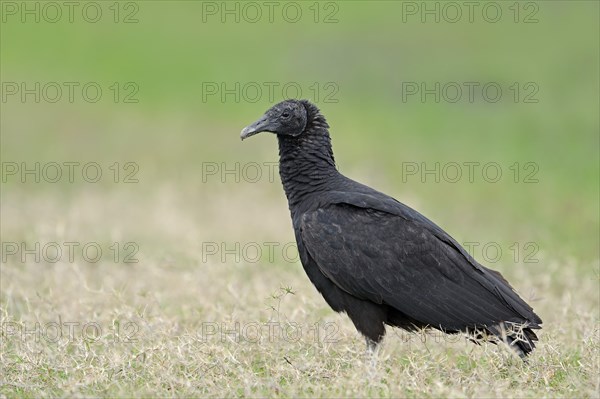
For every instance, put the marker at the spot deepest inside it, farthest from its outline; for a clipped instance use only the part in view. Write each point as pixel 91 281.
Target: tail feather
pixel 519 337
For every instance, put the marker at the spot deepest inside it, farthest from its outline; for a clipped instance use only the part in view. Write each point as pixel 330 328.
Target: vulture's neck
pixel 306 163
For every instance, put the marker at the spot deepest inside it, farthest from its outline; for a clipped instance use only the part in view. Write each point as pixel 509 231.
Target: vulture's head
pixel 288 118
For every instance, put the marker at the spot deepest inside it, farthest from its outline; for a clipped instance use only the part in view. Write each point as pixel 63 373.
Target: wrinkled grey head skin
pixel 288 118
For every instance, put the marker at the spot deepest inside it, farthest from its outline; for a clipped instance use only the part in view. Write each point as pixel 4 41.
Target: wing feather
pixel 388 256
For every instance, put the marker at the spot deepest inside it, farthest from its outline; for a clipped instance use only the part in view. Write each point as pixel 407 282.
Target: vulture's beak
pixel 261 125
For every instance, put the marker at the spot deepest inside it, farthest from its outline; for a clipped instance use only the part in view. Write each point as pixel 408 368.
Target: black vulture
pixel 377 259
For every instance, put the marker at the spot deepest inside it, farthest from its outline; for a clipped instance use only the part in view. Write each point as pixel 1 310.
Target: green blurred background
pixel 356 61
pixel 366 53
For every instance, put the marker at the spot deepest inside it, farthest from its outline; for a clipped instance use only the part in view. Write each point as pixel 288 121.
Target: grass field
pixel 173 273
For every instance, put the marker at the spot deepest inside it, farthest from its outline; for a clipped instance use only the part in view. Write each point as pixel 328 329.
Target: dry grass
pixel 178 323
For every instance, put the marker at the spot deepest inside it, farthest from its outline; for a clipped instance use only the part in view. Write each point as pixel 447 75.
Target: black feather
pixel 377 259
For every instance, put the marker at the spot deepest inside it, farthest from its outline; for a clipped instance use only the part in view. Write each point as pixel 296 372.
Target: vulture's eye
pixel 285 114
